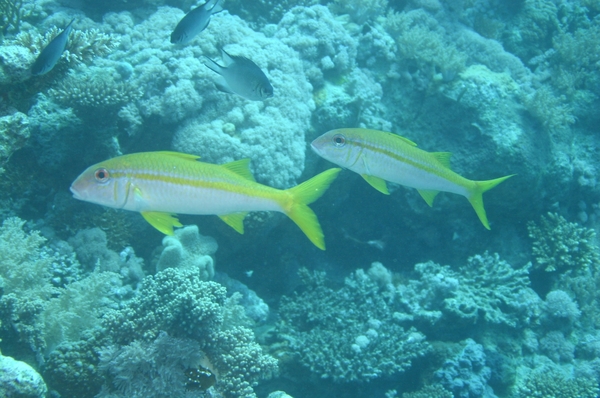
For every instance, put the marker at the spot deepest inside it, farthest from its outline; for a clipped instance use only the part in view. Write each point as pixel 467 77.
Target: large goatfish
pixel 160 184
pixel 379 157
pixel 51 53
pixel 194 22
pixel 241 76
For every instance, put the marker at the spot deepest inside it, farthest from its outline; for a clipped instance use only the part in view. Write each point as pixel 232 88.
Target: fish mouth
pixel 314 147
pixel 76 194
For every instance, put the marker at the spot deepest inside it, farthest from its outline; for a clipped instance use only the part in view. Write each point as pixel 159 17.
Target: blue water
pixel 407 300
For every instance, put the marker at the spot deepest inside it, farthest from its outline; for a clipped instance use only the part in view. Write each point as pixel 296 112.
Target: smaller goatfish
pixel 194 22
pixel 51 53
pixel 242 77
pixel 379 157
pixel 160 184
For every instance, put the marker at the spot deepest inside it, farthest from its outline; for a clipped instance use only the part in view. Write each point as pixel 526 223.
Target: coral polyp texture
pixel 408 300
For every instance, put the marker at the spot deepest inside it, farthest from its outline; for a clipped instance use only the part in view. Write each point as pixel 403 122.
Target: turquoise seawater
pixel 408 300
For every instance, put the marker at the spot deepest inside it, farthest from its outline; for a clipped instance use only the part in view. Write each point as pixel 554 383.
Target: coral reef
pixel 563 247
pixel 350 334
pixel 149 369
pixel 177 301
pixel 473 295
pixel 550 383
pixel 18 379
pixel 188 249
pixel 14 133
pixel 94 87
pixel 467 374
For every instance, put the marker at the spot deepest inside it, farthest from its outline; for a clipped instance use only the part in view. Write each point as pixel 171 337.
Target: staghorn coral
pixel 11 14
pixel 562 246
pixel 82 47
pixel 350 334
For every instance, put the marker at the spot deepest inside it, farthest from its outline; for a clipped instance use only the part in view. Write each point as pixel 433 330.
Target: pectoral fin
pixel 377 183
pixel 235 221
pixel 429 196
pixel 164 222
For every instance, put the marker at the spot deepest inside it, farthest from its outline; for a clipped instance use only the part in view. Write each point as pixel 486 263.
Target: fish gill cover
pixel 408 300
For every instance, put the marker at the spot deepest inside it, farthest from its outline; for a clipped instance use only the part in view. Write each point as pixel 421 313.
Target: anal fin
pixel 164 222
pixel 428 195
pixel 235 220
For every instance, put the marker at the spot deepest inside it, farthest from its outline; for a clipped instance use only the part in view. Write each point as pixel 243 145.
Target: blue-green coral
pixel 350 334
pixel 562 246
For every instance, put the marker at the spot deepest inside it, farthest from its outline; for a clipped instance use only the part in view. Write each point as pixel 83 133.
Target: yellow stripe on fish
pixel 379 156
pixel 162 184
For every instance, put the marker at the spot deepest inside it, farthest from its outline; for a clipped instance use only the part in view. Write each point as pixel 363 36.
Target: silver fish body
pixel 194 22
pixel 51 53
pixel 241 76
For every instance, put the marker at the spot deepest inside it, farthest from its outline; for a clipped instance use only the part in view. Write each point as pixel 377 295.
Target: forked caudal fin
pixel 301 196
pixel 476 197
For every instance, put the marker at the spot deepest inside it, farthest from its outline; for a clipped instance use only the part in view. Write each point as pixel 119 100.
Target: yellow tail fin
pixel 476 198
pixel 298 199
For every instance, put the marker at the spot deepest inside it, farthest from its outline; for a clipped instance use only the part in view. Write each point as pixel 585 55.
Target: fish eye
pixel 339 140
pixel 102 175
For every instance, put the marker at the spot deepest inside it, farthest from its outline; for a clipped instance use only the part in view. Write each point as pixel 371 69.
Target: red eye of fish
pixel 339 140
pixel 102 175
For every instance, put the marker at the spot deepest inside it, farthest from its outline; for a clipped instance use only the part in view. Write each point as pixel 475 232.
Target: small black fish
pixel 194 22
pixel 200 379
pixel 51 53
pixel 241 76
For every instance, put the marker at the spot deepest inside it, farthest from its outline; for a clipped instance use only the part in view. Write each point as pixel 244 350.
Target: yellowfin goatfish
pixel 379 157
pixel 241 76
pixel 194 22
pixel 51 53
pixel 160 184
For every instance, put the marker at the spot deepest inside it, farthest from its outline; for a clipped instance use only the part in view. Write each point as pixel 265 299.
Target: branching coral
pixel 550 383
pixel 486 289
pixel 11 13
pixel 420 39
pixel 82 47
pixel 562 246
pixel 94 87
pixel 350 334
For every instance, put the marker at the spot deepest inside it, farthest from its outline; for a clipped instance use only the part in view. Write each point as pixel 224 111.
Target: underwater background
pixel 407 301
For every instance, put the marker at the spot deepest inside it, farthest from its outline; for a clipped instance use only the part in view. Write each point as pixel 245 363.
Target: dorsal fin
pixel 240 167
pixel 442 157
pixel 403 139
